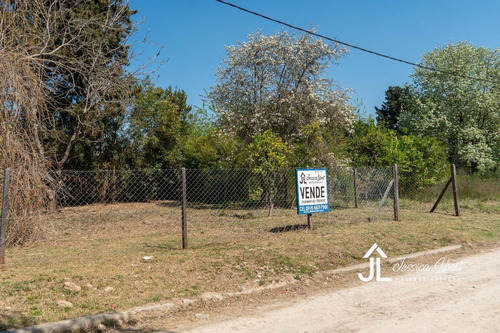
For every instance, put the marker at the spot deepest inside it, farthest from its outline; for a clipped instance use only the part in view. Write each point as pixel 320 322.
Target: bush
pixel 421 160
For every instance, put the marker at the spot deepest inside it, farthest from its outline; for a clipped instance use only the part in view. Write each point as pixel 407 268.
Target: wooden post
pixel 455 189
pixel 441 195
pixel 396 191
pixel 184 213
pixel 384 198
pixel 3 220
pixel 309 221
pixel 355 189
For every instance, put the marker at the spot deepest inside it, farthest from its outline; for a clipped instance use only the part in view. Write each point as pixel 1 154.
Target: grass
pixel 102 245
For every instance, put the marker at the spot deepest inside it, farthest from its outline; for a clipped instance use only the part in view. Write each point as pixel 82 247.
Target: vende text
pixel 312 192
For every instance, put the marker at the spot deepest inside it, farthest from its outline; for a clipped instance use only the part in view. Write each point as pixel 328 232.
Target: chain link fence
pixel 224 205
pixel 77 188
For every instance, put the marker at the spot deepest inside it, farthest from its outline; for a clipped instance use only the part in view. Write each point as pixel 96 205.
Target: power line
pixel 356 47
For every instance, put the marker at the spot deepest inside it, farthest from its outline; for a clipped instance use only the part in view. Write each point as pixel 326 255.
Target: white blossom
pixel 278 82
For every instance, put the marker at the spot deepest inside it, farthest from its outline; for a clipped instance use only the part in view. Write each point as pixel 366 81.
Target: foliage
pixel 213 149
pixel 278 82
pixel 317 146
pixel 421 159
pixel 267 152
pixel 77 51
pixel 367 146
pixel 462 112
pixel 388 114
pixel 62 67
pixel 267 156
pixel 157 120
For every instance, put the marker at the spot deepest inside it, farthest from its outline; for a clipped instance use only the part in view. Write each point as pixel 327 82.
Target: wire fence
pixel 225 205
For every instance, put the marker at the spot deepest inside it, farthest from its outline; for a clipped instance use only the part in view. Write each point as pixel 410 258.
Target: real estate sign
pixel 312 191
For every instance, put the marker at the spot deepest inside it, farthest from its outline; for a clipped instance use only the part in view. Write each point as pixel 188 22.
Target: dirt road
pixel 463 298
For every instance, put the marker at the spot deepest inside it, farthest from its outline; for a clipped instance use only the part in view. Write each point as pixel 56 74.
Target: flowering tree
pixel 278 82
pixel 464 113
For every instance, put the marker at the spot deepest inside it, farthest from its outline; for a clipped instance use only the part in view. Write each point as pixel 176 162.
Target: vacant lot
pixel 101 246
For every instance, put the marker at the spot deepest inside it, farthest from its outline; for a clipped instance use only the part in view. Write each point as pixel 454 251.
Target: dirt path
pixel 465 300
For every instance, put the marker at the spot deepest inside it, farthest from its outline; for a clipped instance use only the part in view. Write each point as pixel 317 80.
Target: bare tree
pixel 62 68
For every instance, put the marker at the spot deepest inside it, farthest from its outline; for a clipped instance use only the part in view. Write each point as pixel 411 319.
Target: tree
pixel 62 67
pixel 462 112
pixel 388 114
pixel 421 159
pixel 213 149
pixel 278 82
pixel 268 155
pixel 157 121
pixel 77 51
pixel 367 146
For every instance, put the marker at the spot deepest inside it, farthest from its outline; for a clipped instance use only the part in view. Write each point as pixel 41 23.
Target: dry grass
pixel 229 250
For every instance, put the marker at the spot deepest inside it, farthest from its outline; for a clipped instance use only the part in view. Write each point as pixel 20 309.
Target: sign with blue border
pixel 312 191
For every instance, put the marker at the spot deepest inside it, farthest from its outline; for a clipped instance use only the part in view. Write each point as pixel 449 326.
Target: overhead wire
pixel 442 71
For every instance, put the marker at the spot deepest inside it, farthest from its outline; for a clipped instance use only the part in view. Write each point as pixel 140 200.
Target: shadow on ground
pixel 293 227
pixel 14 321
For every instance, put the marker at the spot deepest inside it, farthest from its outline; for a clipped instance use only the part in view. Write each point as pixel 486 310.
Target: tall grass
pixel 473 187
pixel 477 187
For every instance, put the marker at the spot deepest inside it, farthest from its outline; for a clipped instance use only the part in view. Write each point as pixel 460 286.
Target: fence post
pixel 455 189
pixel 355 173
pixel 184 213
pixel 396 191
pixel 3 220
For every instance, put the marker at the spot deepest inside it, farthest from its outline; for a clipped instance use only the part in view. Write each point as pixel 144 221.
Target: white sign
pixel 312 191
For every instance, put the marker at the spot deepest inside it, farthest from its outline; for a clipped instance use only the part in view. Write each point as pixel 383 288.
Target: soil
pixel 463 298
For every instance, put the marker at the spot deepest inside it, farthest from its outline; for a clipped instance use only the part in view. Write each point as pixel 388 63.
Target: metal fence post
pixel 455 189
pixel 355 173
pixel 184 213
pixel 396 191
pixel 3 220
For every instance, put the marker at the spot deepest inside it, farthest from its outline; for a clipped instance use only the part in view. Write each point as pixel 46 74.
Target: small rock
pixel 89 286
pixel 187 301
pixel 101 328
pixel 202 316
pixel 64 304
pixel 109 289
pixel 147 258
pixel 212 296
pixel 72 286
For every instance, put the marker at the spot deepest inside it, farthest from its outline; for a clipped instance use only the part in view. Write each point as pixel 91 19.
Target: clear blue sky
pixel 194 33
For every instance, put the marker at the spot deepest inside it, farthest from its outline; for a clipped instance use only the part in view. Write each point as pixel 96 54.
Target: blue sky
pixel 193 34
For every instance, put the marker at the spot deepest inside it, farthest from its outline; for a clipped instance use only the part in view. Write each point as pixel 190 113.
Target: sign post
pixel 312 192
